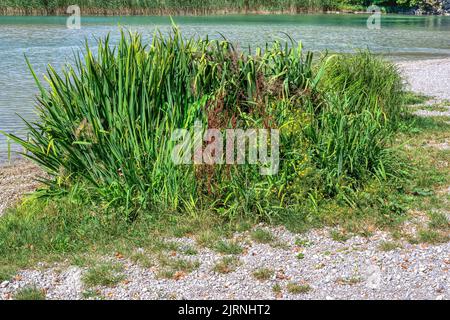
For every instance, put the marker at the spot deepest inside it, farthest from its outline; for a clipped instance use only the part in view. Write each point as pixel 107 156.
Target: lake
pixel 46 40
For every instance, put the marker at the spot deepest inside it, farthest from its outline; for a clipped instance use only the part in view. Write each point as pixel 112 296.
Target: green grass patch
pixel 6 272
pixel 339 235
pixel 262 236
pixel 228 247
pixel 433 107
pixel 263 274
pixel 303 242
pixel 277 289
pixel 226 265
pixel 208 238
pixel 439 220
pixel 431 237
pixel 189 251
pixel 412 98
pixel 389 245
pixel 175 268
pixel 29 293
pixel 142 259
pixel 105 274
pixel 350 281
pixel 295 288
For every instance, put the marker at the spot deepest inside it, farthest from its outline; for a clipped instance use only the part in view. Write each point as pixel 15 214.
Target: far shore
pixel 93 11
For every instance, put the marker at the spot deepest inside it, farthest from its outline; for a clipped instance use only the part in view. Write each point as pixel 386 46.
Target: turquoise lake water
pixel 47 40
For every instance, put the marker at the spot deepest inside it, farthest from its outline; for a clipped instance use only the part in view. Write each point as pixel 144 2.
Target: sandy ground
pixel 15 181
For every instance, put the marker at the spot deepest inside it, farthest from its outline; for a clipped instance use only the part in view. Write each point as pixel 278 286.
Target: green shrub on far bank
pixel 106 125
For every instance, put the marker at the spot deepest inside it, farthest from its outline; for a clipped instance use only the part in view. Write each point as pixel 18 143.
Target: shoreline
pixel 96 11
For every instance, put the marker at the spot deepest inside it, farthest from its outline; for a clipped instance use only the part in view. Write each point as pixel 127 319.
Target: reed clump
pixel 106 123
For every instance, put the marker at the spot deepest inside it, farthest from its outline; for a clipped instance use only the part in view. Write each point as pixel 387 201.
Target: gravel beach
pixel 355 269
pixel 428 77
pixel 358 268
pixel 16 180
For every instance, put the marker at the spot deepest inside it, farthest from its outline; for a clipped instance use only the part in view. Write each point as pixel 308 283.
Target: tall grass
pixel 106 122
pixel 173 6
pixel 370 81
pixel 351 131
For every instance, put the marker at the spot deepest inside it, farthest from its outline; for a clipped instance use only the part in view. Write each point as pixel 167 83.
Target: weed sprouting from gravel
pixel 263 274
pixel 295 288
pixel 105 274
pixel 29 293
pixel 353 280
pixel 176 268
pixel 439 221
pixel 142 259
pixel 262 236
pixel 303 242
pixel 431 236
pixel 228 247
pixel 226 265
pixel 190 251
pixel 339 235
pixel 276 288
pixel 300 255
pixel 389 245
